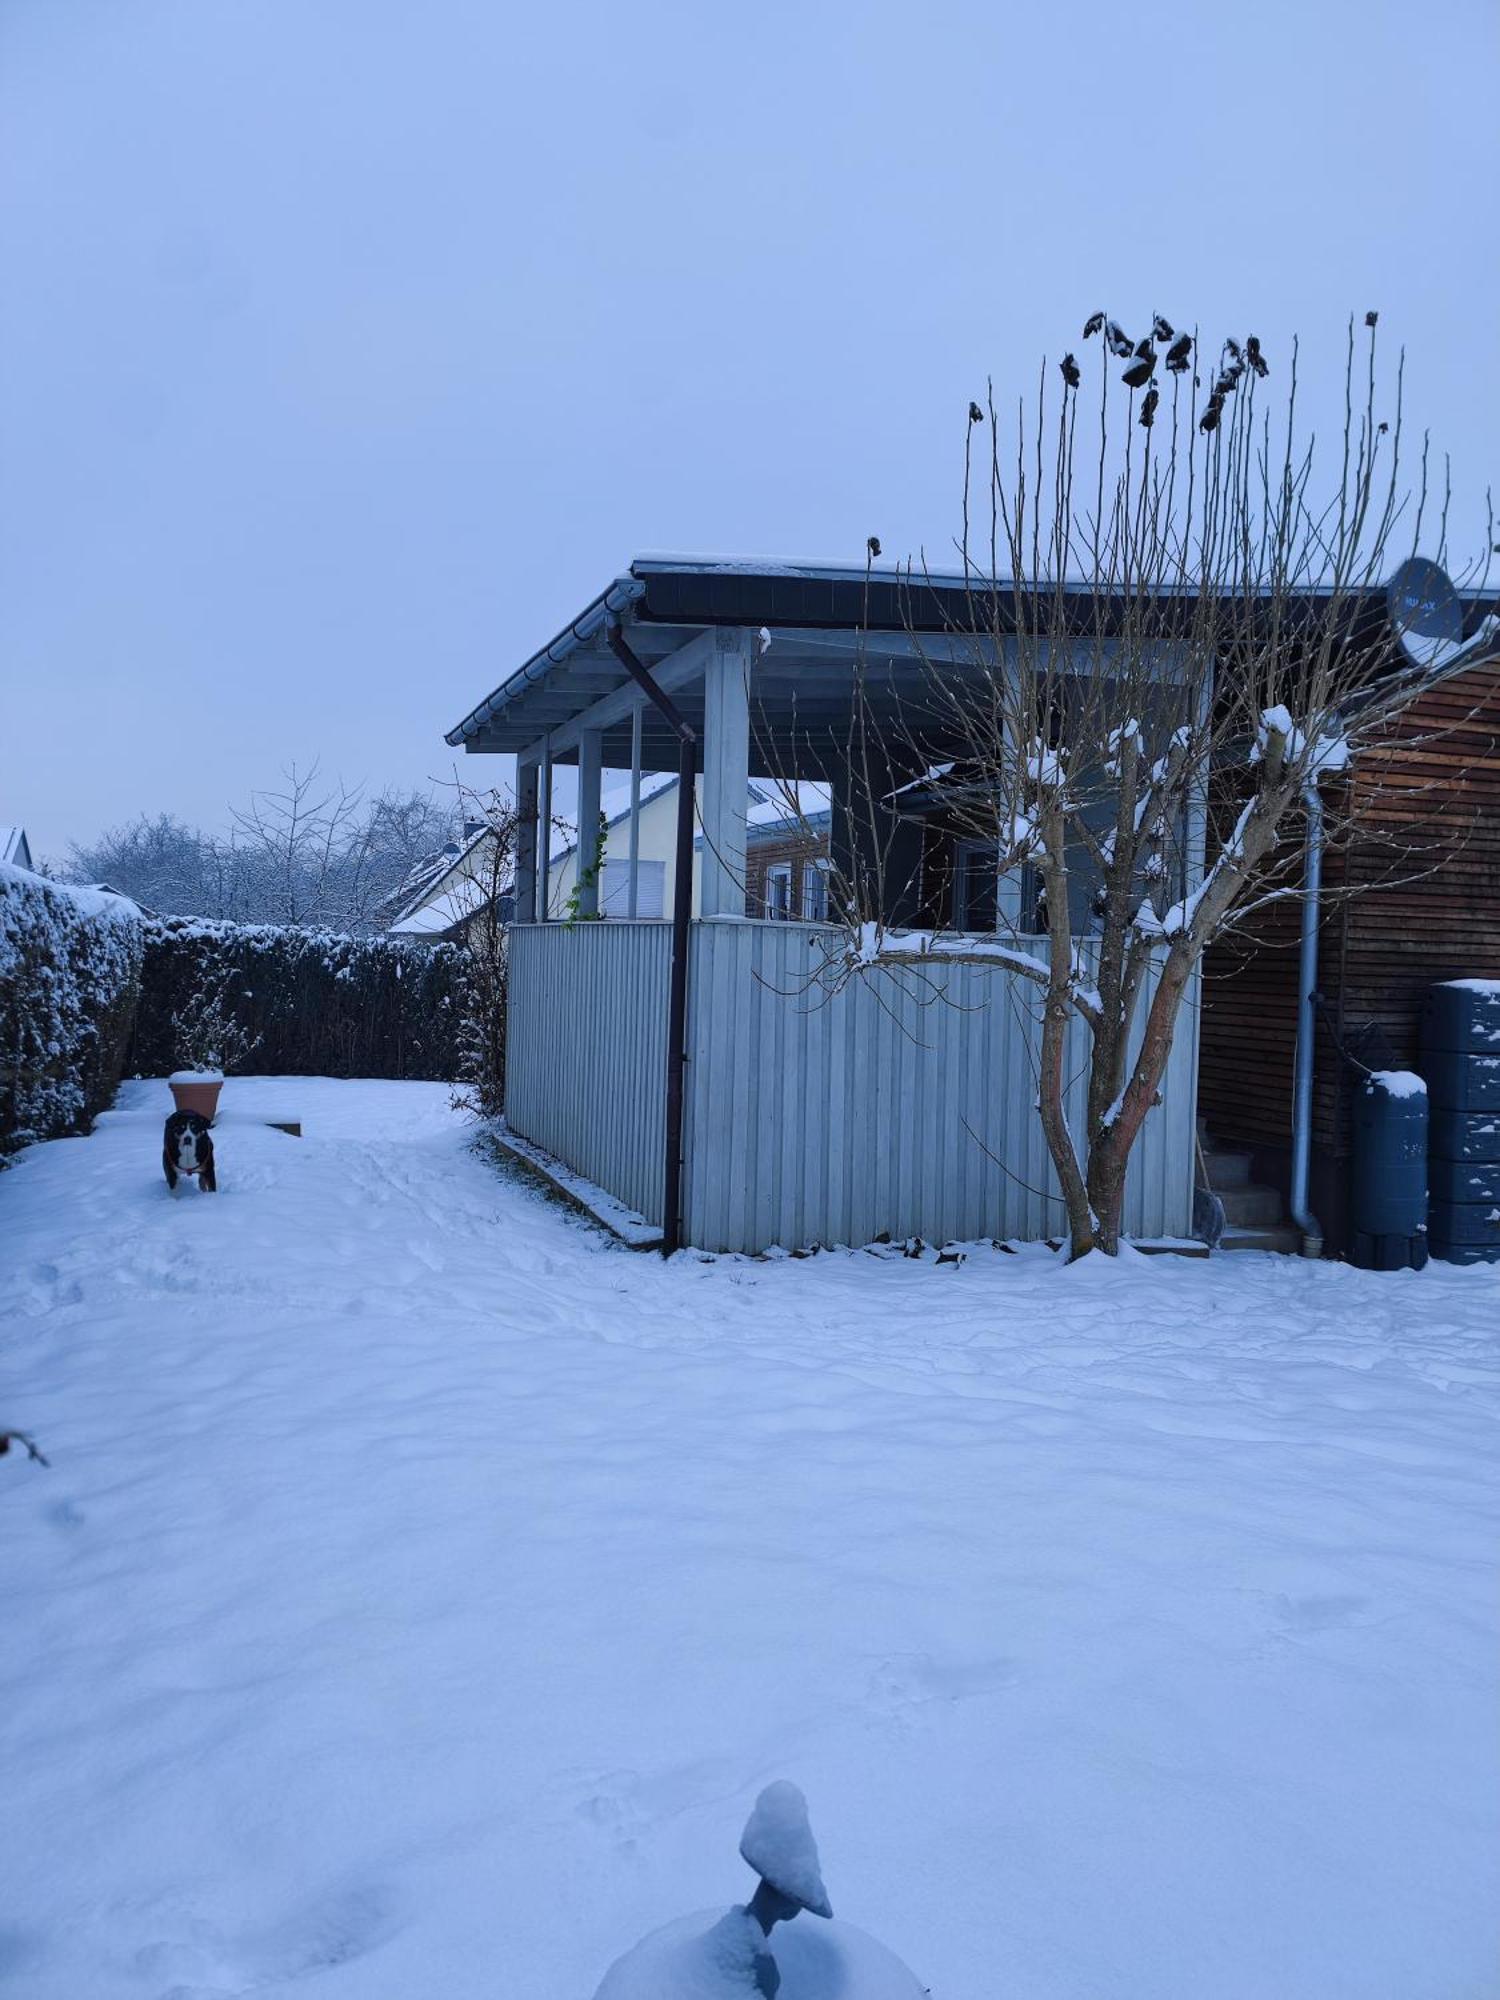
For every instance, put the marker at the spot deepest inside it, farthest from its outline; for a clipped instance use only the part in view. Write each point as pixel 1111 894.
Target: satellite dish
pixel 1425 611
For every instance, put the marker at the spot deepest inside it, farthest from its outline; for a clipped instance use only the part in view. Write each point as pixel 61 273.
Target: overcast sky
pixel 348 346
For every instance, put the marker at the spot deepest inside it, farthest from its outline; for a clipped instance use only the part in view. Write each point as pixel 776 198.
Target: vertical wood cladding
pixel 1422 872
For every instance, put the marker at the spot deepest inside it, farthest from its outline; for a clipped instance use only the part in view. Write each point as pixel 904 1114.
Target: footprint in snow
pixel 901 1687
pixel 312 1938
pixel 625 1805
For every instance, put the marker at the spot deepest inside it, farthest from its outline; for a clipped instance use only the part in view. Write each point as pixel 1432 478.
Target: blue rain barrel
pixel 1388 1176
pixel 1463 1016
pixel 1461 1061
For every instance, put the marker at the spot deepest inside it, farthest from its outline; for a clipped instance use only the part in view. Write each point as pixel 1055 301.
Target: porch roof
pixel 830 626
pixel 821 618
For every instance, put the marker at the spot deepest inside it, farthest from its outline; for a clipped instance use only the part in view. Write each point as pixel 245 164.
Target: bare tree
pixel 293 856
pixel 298 835
pixel 1168 598
pixel 485 937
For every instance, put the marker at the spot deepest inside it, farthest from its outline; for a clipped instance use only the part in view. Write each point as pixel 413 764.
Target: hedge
pixel 70 981
pixel 307 1003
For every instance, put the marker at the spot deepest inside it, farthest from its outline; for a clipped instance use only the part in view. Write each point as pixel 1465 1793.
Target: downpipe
pixel 682 909
pixel 1307 993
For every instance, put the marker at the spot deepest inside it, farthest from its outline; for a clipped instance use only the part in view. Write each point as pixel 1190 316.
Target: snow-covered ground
pixel 423 1589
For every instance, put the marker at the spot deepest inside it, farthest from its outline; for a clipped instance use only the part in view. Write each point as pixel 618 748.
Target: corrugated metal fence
pixel 586 1052
pixel 812 1116
pixel 831 1117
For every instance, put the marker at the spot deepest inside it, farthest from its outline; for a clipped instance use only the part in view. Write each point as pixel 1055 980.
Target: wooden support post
pixel 726 772
pixel 590 861
pixel 544 837
pixel 635 809
pixel 526 806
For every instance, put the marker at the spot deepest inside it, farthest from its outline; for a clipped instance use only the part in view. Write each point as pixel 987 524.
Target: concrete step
pixel 1251 1207
pixel 1285 1241
pixel 1225 1168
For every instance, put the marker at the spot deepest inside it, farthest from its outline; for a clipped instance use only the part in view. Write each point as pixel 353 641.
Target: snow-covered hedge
pixel 70 978
pixel 305 1002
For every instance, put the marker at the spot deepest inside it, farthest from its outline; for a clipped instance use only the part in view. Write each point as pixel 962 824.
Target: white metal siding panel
pixel 586 1050
pixel 826 1118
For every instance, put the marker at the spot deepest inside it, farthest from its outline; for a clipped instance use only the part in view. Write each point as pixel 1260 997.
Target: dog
pixel 188 1148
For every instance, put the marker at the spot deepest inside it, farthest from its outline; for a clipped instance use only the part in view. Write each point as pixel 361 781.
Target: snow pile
pixel 70 968
pixel 1398 1082
pixel 422 1592
pixel 778 1844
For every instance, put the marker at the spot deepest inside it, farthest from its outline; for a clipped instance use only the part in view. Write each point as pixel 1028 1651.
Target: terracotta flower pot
pixel 196 1090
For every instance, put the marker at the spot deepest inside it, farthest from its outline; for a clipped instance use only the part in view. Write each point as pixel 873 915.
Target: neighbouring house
pixel 785 863
pixel 786 870
pixel 452 889
pixel 15 848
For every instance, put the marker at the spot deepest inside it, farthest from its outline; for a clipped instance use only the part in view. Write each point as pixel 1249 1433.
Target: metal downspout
pixel 682 909
pixel 1307 989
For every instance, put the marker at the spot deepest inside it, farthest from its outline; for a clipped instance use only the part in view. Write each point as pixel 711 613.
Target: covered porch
pixel 706 1070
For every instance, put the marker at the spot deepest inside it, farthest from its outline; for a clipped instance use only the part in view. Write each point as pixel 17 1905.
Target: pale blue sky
pixel 347 347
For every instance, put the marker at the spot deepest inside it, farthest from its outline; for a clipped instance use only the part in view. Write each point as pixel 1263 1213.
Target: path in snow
pixel 423 1589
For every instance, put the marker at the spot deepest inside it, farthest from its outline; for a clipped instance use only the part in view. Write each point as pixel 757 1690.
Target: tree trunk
pixel 1110 1157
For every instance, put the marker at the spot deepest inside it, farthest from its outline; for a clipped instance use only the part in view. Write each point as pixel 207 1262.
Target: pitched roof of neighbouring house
pixel 438 898
pixel 15 848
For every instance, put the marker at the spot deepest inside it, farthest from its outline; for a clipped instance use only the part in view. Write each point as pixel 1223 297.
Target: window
pixel 614 889
pixel 815 892
pixel 779 891
pixel 977 898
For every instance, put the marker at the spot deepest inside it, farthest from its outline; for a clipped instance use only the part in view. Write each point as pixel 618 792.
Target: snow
pixel 196 1076
pixel 878 946
pixel 461 898
pixel 778 1844
pixel 88 902
pixel 1442 650
pixel 710 1957
pixel 1399 1082
pixel 1327 752
pixel 423 1590
pixel 1489 987
pixel 787 801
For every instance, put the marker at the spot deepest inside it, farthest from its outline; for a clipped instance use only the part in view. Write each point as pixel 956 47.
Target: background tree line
pixel 307 853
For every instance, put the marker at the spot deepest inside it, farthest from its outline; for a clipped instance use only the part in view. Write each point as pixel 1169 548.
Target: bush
pixel 70 981
pixel 298 1002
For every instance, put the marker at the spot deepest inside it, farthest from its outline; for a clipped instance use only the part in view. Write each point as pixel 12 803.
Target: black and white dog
pixel 187 1148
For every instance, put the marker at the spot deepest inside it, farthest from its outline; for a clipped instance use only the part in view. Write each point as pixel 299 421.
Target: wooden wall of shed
pixel 1422 868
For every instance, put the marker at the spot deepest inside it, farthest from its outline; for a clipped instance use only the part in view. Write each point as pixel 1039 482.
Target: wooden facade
pixel 1413 897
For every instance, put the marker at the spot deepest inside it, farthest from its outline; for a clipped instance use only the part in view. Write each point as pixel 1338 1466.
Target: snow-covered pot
pixel 727 1955
pixel 197 1090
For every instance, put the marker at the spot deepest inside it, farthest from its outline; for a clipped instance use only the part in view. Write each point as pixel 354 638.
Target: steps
pixel 1284 1240
pixel 1255 1216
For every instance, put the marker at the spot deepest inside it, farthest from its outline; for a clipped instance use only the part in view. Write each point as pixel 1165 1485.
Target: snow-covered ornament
pixel 728 1955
